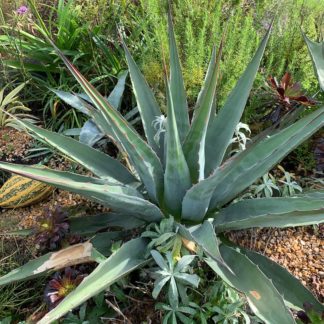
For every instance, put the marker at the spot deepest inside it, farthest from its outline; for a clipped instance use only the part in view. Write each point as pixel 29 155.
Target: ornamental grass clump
pixel 184 174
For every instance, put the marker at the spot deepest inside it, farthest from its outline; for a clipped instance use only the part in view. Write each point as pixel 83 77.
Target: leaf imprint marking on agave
pixel 255 294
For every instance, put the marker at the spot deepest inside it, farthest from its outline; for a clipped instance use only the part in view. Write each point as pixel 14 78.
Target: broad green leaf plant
pixel 185 173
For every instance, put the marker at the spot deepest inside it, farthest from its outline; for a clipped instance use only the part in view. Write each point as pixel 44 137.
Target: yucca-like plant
pixel 183 172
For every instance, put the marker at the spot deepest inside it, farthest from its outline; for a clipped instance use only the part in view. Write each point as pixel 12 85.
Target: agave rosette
pixel 184 172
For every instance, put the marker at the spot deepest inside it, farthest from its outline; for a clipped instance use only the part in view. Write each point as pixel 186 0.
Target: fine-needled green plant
pixel 185 173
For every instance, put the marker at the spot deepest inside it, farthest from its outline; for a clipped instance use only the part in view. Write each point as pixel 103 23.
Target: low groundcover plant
pixel 185 173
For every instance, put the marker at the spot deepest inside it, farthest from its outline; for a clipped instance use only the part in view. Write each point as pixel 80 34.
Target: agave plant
pixel 184 173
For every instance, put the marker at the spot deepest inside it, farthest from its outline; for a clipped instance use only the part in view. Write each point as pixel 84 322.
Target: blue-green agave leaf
pixel 194 145
pixel 125 260
pixel 150 171
pixel 53 261
pixel 118 197
pixel 146 103
pixel 177 176
pixel 262 296
pixel 243 169
pixel 178 93
pixel 316 51
pixel 221 130
pixel 292 290
pixel 95 161
pixel 301 210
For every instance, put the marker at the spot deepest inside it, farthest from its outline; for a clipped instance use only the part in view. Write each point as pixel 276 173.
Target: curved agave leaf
pixel 177 175
pixel 262 296
pixel 178 93
pixel 72 255
pixel 244 168
pixel 146 103
pixel 116 96
pixel 151 171
pixel 90 134
pixel 125 260
pixel 292 290
pixel 203 235
pixel 272 212
pixel 118 197
pixel 223 126
pixel 257 160
pixel 194 145
pixel 317 55
pixel 88 225
pixel 95 161
pixel 73 100
pixel 207 80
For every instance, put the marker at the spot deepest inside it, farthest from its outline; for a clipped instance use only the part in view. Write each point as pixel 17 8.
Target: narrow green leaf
pixel 72 255
pixel 127 259
pixel 301 210
pixel 258 159
pixel 116 96
pixel 88 225
pixel 194 145
pixel 158 285
pixel 146 103
pixel 177 175
pixel 95 161
pixel 317 54
pixel 263 298
pixel 118 197
pixel 151 172
pixel 243 169
pixel 292 290
pixel 178 93
pixel 204 235
pixel 12 94
pixel 103 242
pixel 159 260
pixel 221 130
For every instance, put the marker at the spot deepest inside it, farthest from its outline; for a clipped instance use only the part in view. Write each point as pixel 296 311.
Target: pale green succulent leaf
pixel 177 176
pixel 146 103
pixel 158 285
pixel 88 225
pixel 73 100
pixel 243 169
pixel 221 130
pixel 204 235
pixel 292 290
pixel 118 197
pixel 125 260
pixel 159 260
pixel 316 51
pixel 194 145
pixel 184 262
pixel 280 212
pixel 143 158
pixel 264 299
pixel 207 81
pixel 103 241
pixel 177 88
pixel 72 255
pixel 95 161
pixel 258 159
pixel 116 96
